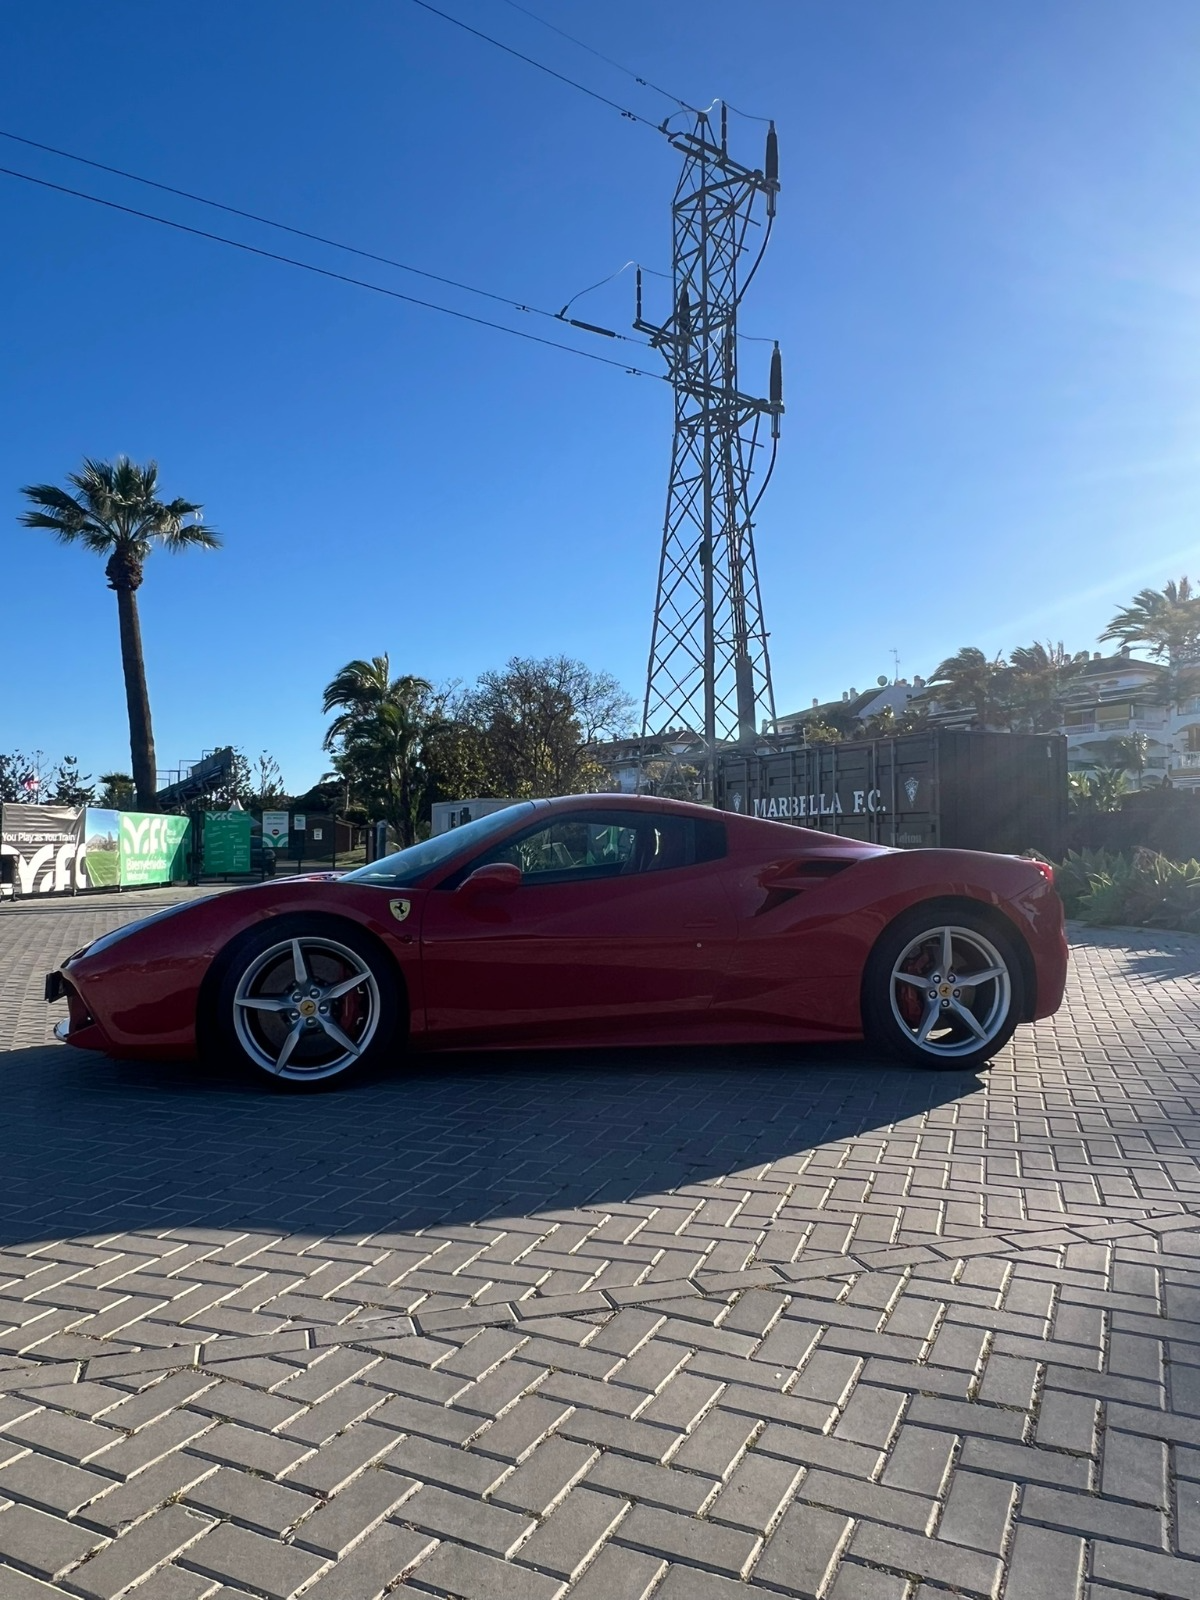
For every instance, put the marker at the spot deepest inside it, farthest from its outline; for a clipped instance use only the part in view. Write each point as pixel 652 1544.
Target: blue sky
pixel 984 277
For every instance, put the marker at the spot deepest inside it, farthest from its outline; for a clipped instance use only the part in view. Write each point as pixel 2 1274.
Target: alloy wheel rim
pixel 306 1008
pixel 950 991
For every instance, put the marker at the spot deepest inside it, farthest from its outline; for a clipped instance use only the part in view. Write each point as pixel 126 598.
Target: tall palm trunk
pixel 137 696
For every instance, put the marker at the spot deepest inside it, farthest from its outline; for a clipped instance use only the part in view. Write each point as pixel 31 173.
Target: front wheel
pixel 943 988
pixel 307 1005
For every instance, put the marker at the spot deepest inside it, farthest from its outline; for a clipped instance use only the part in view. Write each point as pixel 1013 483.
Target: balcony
pixel 1187 758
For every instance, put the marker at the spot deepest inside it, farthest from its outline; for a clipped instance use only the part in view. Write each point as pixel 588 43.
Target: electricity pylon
pixel 709 670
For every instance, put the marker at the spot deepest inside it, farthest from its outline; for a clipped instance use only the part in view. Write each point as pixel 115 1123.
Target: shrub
pixel 1143 890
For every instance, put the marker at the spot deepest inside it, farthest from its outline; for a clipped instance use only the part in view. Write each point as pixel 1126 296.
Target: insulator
pixel 776 378
pixel 639 294
pixel 683 313
pixel 772 167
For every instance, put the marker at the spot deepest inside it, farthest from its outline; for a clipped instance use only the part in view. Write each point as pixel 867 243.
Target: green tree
pixel 970 680
pixel 539 716
pixel 69 786
pixel 1165 622
pixel 671 779
pixel 115 512
pixel 380 739
pixel 116 791
pixel 1037 680
pixel 1129 753
pixel 820 732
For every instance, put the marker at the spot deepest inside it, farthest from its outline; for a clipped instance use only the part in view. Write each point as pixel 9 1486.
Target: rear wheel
pixel 943 988
pixel 307 1004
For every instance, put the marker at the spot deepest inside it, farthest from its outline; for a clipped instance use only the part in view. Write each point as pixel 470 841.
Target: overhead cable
pixel 632 116
pixel 299 233
pixel 326 272
pixel 599 54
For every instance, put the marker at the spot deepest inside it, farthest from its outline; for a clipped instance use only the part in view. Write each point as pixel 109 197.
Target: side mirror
pixel 497 877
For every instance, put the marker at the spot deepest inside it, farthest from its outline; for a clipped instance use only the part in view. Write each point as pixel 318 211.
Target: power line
pixel 299 233
pixel 326 272
pixel 599 54
pixel 632 116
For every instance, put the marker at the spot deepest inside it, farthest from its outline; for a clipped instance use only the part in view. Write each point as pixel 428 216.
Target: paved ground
pixel 688 1325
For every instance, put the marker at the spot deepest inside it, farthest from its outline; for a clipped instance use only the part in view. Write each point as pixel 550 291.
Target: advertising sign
pixel 101 863
pixel 152 849
pixel 47 843
pixel 275 830
pixel 226 842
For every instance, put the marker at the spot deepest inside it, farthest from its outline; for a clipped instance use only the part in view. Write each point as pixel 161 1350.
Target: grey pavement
pixel 607 1325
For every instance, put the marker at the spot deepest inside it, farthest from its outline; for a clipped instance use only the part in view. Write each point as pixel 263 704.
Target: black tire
pixel 259 1002
pixel 931 1026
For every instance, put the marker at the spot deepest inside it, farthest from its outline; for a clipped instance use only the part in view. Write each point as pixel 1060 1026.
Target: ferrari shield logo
pixel 400 908
pixel 911 785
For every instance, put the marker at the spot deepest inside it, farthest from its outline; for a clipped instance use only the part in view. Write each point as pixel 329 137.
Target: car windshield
pixel 407 867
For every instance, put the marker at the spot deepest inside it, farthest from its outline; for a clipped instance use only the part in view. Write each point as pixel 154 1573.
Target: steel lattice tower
pixel 709 669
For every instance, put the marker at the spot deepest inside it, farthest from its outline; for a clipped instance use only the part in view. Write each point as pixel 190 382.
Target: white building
pixel 1116 696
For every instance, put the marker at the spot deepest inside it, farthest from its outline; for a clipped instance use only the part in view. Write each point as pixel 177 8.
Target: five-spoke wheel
pixel 306 1005
pixel 943 987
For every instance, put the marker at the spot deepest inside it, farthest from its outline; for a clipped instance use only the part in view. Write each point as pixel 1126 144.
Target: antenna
pixel 709 669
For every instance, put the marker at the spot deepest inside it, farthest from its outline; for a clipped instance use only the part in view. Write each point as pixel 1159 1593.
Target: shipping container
pixel 1005 792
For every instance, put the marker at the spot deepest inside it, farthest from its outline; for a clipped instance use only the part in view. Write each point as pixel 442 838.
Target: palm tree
pixel 1165 621
pixel 970 679
pixel 116 793
pixel 381 737
pixel 116 512
pixel 1040 673
pixel 1130 753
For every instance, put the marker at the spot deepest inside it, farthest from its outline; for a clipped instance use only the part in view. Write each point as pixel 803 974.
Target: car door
pixel 620 926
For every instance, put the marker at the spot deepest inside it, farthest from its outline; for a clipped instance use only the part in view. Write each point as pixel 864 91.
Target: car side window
pixel 604 845
pixel 570 848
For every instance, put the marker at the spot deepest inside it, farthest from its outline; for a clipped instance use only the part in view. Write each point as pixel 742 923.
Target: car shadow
pixel 93 1147
pixel 1153 953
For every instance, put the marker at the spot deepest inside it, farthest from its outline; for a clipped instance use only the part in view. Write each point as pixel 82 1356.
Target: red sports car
pixel 593 919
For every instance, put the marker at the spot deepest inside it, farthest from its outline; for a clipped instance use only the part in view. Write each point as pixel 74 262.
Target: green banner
pixel 226 842
pixel 153 849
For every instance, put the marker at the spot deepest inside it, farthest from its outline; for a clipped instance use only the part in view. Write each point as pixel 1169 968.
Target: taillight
pixel 1046 870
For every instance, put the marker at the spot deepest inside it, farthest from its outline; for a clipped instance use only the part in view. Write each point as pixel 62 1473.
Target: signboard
pixel 275 830
pixel 226 842
pixel 152 849
pixel 101 849
pixel 47 844
pixel 299 821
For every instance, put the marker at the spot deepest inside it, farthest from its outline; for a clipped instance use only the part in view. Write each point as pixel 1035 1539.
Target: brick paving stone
pixel 256 1502
pixel 250 1561
pixel 573 1532
pixel 373 1565
pixel 1045 1565
pixel 646 1483
pixel 618 1574
pixel 542 1479
pixel 978 1511
pixel 461 1517
pixel 51 1485
pixel 167 1533
pixel 1012 1312
pixel 756 1493
pixel 46 1545
pixel 971 1572
pixel 341 1522
pixel 465 1574
pixel 342 1459
pixel 803 1550
pixel 702 1544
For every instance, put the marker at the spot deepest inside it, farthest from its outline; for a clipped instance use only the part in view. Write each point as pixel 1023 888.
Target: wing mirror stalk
pixel 497 877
